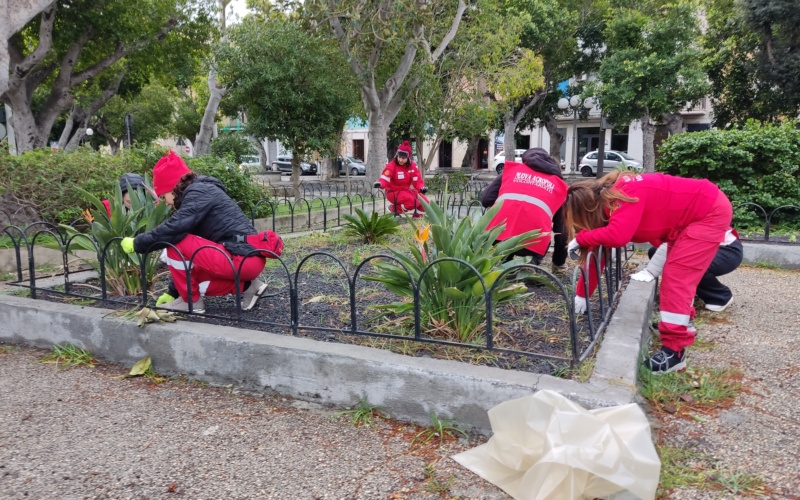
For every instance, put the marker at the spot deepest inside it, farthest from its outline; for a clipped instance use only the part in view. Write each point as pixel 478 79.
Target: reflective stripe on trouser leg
pixel 211 273
pixel 688 258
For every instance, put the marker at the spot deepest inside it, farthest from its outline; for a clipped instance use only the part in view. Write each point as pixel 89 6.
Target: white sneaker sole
pixel 721 308
pixel 254 300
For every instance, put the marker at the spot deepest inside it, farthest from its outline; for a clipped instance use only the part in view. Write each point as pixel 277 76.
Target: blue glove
pixel 127 245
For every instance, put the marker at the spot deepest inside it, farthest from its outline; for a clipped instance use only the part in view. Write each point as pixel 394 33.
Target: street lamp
pixel 574 103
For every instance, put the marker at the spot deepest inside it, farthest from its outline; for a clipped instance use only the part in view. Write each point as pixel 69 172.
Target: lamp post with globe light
pixel 88 133
pixel 574 103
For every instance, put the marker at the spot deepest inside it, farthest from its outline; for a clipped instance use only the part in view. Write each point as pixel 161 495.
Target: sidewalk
pixel 83 432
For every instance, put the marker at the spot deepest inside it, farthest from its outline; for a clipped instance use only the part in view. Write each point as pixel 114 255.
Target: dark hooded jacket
pixel 539 160
pixel 206 211
pixel 135 181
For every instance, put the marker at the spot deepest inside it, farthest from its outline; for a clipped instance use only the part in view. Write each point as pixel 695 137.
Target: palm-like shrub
pixel 452 299
pixel 122 271
pixel 372 228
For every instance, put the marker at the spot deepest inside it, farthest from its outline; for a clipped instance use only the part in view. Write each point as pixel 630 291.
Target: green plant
pixel 69 355
pixel 372 228
pixel 758 164
pixel 433 483
pixel 739 482
pixel 690 387
pixel 122 269
pixel 440 427
pixel 454 182
pixel 362 414
pixel 452 299
pixel 676 471
pixel 232 145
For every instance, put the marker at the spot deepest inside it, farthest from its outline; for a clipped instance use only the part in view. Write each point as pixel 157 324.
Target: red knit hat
pixel 167 172
pixel 405 147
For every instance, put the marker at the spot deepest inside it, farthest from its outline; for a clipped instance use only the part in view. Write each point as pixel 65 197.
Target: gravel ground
pixel 87 433
pixel 758 335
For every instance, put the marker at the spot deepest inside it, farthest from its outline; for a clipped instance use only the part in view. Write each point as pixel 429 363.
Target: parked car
pixel 613 159
pixel 500 160
pixel 283 164
pixel 251 163
pixel 351 164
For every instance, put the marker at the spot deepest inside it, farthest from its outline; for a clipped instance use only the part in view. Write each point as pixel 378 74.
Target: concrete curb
pixel 408 388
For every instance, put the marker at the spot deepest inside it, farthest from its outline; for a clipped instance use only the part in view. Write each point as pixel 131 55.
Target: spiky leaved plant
pixel 452 299
pixel 122 270
pixel 372 228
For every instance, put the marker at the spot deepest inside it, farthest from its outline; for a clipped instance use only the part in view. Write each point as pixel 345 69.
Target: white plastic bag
pixel 547 447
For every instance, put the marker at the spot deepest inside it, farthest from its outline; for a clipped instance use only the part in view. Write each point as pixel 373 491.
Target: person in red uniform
pixel 205 216
pixel 532 193
pixel 403 183
pixel 690 215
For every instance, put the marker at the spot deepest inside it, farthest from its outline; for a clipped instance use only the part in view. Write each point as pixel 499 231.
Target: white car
pixel 500 160
pixel 613 159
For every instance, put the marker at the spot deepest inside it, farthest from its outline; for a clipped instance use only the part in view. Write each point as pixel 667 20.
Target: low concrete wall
pixel 783 256
pixel 408 388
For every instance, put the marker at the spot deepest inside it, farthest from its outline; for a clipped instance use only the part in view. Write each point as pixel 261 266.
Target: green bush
pixel 232 145
pixel 757 164
pixel 48 181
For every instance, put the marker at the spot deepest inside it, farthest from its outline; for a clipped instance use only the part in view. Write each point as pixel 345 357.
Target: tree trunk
pixel 509 141
pixel 14 15
pixel 648 141
pixel 556 138
pixel 202 145
pixel 262 153
pixel 376 156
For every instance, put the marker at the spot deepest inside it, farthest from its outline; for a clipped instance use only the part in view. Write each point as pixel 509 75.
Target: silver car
pixel 613 159
pixel 352 165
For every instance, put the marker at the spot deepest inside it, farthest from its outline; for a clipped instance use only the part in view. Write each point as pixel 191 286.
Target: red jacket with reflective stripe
pixel 530 199
pixel 399 178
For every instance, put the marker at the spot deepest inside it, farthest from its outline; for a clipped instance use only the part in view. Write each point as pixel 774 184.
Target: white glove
pixel 643 275
pixel 572 249
pixel 580 305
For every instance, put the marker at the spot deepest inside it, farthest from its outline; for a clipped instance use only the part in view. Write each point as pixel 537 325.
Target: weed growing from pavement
pixel 695 388
pixel 739 482
pixel 5 349
pixel 677 470
pixel 69 355
pixel 432 482
pixel 440 428
pixel 362 414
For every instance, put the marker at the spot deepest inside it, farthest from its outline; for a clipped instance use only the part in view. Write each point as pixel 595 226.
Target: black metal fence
pixel 293 282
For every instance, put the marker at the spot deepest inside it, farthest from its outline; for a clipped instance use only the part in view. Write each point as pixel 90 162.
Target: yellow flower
pixel 88 216
pixel 422 233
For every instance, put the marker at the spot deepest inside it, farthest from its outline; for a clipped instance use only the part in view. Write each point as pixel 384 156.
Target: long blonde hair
pixel 587 200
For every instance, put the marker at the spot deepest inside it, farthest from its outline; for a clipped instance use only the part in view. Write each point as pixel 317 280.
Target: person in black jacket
pixel 209 229
pixel 538 160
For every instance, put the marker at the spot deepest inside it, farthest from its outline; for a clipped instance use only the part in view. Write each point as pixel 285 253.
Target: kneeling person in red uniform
pixel 205 216
pixel 532 193
pixel 403 183
pixel 690 215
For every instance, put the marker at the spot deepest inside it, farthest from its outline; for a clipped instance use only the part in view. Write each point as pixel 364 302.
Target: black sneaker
pixel 666 361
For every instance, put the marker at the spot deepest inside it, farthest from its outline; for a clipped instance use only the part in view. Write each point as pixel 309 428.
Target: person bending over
pixel 690 215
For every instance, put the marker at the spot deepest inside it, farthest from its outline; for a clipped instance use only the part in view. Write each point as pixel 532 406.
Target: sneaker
pixel 716 308
pixel 666 361
pixel 180 305
pixel 252 294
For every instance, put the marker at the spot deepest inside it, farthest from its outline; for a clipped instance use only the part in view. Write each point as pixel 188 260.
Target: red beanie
pixel 167 172
pixel 406 147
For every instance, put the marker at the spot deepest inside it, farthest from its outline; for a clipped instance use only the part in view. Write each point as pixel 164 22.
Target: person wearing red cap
pixel 208 234
pixel 403 183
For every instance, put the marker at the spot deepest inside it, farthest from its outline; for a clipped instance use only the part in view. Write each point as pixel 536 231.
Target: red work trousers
pixel 405 201
pixel 212 273
pixel 688 256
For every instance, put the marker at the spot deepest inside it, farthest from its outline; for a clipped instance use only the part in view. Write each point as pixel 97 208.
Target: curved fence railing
pixel 292 287
pixel 784 216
